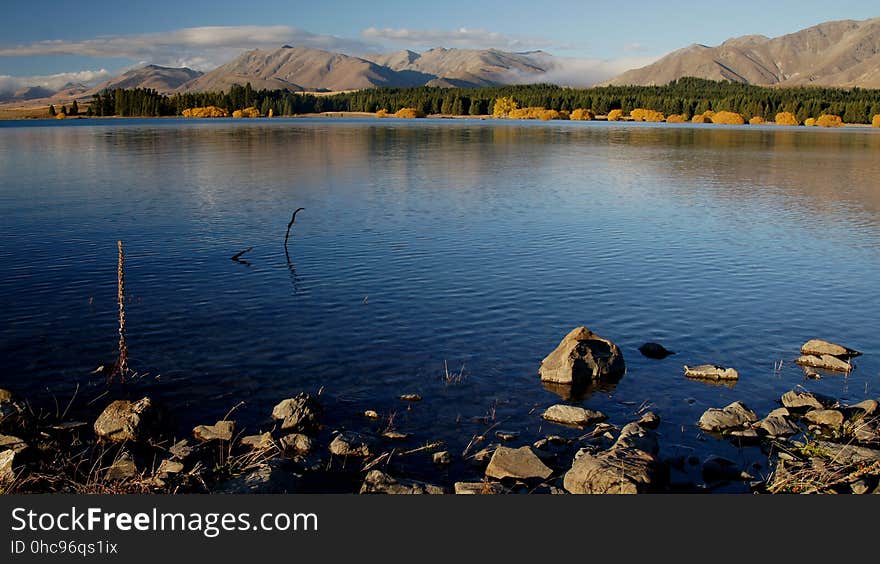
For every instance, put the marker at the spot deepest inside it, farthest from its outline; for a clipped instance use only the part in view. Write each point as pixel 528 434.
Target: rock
pixel 718 469
pixel 507 435
pixel 745 434
pixel 349 443
pixel 297 443
pixel 616 471
pixel 776 425
pixel 168 467
pixel 860 486
pixel 483 456
pixel 378 482
pixel 582 357
pixel 370 414
pixel 478 488
pixel 123 468
pixel 825 362
pixel 572 415
pixel 411 397
pixel 734 416
pixel 847 454
pixel 5 396
pixel 655 351
pixel 869 406
pixel 634 436
pixel 8 407
pixel 257 442
pixel 12 443
pixel 710 372
pixel 395 435
pixel 818 347
pixel 520 463
pixel 219 431
pixel 181 449
pixel 7 474
pixel 268 477
pixel 825 417
pixel 650 420
pixel 124 420
pixel 442 458
pixel 300 414
pixel 800 400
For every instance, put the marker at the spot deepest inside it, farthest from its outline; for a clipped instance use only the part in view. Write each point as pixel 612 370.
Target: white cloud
pixel 462 37
pixel 572 71
pixel 10 84
pixel 201 48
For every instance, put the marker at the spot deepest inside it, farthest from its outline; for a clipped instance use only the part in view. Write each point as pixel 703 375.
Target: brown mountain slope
pixel 840 54
pixel 161 79
pixel 301 68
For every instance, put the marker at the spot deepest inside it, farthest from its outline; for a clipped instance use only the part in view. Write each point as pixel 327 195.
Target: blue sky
pixel 89 40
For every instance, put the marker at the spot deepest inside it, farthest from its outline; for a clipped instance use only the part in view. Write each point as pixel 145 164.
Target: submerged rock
pixel 124 420
pixel 411 397
pixel 573 415
pixel 616 471
pixel 505 435
pixel 378 482
pixel 655 351
pixel 718 469
pixel 219 431
pixel 478 488
pixel 825 362
pixel 300 414
pixel 521 463
pixel 582 357
pixel 734 416
pixel 269 477
pixel 649 420
pixel 710 372
pixel 818 347
pixel 349 443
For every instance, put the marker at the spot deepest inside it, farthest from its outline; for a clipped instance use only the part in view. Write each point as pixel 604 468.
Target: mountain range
pixel 841 54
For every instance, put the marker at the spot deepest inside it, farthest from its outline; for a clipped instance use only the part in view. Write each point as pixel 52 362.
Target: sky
pixel 54 42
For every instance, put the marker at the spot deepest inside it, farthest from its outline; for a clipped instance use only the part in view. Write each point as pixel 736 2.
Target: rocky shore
pixel 813 444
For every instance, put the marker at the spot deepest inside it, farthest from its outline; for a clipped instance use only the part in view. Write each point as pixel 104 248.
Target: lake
pixel 428 245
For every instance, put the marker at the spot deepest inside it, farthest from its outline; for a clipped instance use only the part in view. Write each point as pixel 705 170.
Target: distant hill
pixel 837 54
pixel 161 79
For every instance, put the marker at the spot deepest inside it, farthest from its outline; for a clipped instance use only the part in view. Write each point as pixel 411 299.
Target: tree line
pixel 686 96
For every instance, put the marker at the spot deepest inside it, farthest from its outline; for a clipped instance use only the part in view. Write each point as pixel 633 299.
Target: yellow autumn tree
pixel 547 115
pixel 756 120
pixel 876 121
pixel 383 113
pixel 701 118
pixel 205 112
pixel 810 122
pixel 409 113
pixel 581 114
pixel 615 115
pixel 829 120
pixel 250 112
pixel 641 114
pixel 786 118
pixel 728 118
pixel 503 106
pixel 675 118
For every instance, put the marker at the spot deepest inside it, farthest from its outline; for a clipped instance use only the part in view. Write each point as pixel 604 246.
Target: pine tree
pixel 74 109
pixel 52 111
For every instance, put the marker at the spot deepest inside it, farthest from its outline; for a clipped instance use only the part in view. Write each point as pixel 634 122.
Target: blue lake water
pixel 475 244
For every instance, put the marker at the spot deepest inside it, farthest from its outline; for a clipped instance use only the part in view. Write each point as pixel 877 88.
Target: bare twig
pixel 237 256
pixel 289 225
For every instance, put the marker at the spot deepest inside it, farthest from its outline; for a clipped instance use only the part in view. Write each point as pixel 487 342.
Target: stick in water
pixel 289 225
pixel 122 363
pixel 237 256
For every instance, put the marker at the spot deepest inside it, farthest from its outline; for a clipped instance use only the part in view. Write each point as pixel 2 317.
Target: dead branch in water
pixel 121 367
pixel 237 256
pixel 289 225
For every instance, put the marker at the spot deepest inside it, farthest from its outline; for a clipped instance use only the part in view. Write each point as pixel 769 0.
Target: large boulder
pixel 615 471
pixel 300 414
pixel 818 347
pixel 734 416
pixel 378 482
pixel 581 357
pixel 520 463
pixel 125 420
pixel 572 415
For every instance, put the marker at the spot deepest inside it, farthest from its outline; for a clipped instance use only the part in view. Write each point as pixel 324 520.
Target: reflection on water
pixel 432 242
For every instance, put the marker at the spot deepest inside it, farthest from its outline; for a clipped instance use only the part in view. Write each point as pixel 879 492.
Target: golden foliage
pixel 701 118
pixel 383 113
pixel 829 120
pixel 271 113
pixel 757 120
pixel 615 115
pixel 786 118
pixel 641 114
pixel 810 122
pixel 409 113
pixel 581 114
pixel 60 115
pixel 728 118
pixel 250 112
pixel 205 112
pixel 503 106
pixel 535 112
pixel 876 121
pixel 676 118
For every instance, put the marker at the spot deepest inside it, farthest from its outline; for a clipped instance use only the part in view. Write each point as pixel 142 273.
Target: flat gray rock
pixel 572 415
pixel 806 400
pixel 825 417
pixel 257 442
pixel 478 488
pixel 353 444
pixel 520 463
pixel 220 431
pixel 825 362
pixel 617 471
pixel 818 347
pixel 710 372
pixel 776 425
pixel 734 416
